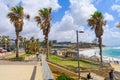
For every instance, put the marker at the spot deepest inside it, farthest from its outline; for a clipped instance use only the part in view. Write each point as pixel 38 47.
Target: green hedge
pixel 64 77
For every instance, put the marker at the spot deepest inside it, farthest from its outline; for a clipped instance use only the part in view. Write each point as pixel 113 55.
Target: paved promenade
pixel 16 72
pixel 20 70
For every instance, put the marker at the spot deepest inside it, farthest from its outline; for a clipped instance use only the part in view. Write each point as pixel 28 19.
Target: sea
pixel 109 53
pixel 112 52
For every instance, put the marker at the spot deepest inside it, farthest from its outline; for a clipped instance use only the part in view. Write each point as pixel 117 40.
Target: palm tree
pixel 6 41
pixel 27 46
pixel 37 45
pixel 43 19
pixel 21 39
pixel 97 22
pixel 32 39
pixel 16 16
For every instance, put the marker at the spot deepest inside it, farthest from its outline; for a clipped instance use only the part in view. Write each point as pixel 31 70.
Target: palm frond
pixel 27 16
pixel 38 19
pixel 118 25
pixel 13 9
pixel 91 23
pixel 104 22
pixel 12 17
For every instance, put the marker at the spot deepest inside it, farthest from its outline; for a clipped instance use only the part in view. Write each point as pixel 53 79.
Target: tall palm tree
pixel 96 22
pixel 16 16
pixel 43 19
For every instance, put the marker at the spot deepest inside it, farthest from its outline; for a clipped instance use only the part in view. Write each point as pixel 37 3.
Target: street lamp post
pixel 77 32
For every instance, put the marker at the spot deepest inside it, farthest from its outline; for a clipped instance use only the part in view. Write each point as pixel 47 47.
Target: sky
pixel 67 17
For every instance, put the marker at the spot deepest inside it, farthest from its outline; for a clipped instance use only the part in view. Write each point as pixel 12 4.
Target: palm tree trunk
pixel 17 44
pixel 100 47
pixel 47 47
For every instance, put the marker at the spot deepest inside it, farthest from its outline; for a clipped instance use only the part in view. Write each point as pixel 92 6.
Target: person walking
pixel 89 77
pixel 111 75
pixel 37 56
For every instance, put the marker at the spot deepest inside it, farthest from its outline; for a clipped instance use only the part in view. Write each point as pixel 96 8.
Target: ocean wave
pixel 92 52
pixel 110 48
pixel 88 52
pixel 115 47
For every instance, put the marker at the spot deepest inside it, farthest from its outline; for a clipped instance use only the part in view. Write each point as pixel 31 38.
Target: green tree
pixel 6 41
pixel 27 46
pixel 21 38
pixel 43 20
pixel 96 22
pixel 32 45
pixel 16 16
pixel 37 45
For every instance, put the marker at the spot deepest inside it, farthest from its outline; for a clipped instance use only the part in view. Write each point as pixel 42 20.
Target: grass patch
pixel 16 59
pixel 73 64
pixel 26 55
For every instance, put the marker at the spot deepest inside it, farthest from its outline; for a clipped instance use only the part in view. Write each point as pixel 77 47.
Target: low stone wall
pixel 20 58
pixel 29 58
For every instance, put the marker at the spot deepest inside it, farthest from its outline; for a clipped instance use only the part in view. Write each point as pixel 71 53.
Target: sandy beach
pixel 115 66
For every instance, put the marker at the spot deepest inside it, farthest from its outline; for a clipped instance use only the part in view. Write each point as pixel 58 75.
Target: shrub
pixel 64 77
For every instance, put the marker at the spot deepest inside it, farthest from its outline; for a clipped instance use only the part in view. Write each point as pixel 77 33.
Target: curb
pixel 38 75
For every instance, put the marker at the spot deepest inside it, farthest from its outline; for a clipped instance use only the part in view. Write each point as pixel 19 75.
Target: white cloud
pixel 4 28
pixel 81 10
pixel 111 37
pixel 11 3
pixel 73 20
pixel 30 6
pixel 64 30
pixel 108 17
pixel 70 35
pixel 116 7
pixel 66 23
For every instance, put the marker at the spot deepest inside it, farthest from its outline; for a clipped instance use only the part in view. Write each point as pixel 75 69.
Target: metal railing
pixel 47 74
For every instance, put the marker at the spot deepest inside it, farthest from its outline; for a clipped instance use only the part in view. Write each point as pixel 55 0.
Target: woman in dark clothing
pixel 89 76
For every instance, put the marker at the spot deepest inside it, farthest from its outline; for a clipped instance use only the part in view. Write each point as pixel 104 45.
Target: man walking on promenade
pixel 111 75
